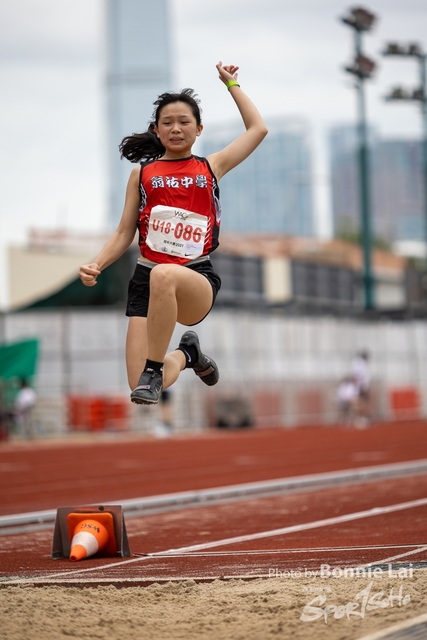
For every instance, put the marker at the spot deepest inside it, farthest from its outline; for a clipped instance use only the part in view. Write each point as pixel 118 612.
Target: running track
pixel 253 537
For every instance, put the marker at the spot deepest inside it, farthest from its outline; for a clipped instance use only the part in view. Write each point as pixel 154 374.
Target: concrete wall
pixel 285 369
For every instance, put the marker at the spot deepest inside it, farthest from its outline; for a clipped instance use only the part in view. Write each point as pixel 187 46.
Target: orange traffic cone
pixel 90 536
pixel 68 525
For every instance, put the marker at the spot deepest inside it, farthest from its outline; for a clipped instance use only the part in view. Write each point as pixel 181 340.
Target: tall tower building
pixel 139 68
pixel 344 178
pixel 396 183
pixel 399 192
pixel 271 191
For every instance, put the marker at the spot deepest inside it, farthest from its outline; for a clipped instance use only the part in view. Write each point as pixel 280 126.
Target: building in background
pixel 396 185
pixel 398 193
pixel 258 270
pixel 271 191
pixel 344 178
pixel 48 263
pixel 304 276
pixel 138 68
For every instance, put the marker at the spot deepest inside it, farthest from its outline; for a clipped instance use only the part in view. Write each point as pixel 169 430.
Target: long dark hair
pixel 147 146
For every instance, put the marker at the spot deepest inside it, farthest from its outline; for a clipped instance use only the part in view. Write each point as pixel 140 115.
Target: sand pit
pixel 220 610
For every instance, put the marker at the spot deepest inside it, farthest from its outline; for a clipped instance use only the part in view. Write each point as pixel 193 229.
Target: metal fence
pixel 278 370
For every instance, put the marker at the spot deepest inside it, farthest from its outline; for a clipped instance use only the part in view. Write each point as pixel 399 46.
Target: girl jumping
pixel 172 198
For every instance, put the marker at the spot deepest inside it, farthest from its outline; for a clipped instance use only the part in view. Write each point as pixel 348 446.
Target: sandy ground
pixel 275 607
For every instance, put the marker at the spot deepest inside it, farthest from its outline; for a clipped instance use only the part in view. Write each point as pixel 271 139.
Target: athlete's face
pixel 177 129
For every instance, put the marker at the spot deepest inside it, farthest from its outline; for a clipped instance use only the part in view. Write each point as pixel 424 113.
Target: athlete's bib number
pixel 177 232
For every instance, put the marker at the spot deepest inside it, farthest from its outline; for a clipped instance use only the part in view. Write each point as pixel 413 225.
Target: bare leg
pixel 136 349
pixel 176 294
pixel 136 355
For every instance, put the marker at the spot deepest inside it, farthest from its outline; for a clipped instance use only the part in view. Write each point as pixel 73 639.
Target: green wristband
pixel 232 83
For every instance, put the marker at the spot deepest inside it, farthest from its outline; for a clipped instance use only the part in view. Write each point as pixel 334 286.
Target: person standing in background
pixel 25 402
pixel 346 398
pixel 361 375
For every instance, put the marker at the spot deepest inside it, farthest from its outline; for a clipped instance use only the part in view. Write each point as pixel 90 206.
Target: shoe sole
pixel 208 379
pixel 139 400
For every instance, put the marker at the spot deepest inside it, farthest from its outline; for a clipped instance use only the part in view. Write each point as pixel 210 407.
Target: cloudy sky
pixel 291 55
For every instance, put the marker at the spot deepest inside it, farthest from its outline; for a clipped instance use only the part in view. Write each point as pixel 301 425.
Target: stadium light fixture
pixel 362 67
pixel 360 19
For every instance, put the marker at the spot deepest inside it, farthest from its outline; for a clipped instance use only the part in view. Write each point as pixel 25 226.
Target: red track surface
pixel 44 476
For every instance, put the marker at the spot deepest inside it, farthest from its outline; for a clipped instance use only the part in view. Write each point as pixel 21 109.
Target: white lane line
pixel 401 555
pixel 266 552
pixel 376 511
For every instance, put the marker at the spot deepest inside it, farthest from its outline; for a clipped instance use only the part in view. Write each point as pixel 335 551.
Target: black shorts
pixel 139 287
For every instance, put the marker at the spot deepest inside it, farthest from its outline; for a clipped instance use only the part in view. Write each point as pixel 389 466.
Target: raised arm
pixel 121 239
pixel 223 161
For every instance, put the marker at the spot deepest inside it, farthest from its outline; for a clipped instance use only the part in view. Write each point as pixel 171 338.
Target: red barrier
pixel 268 408
pixel 405 403
pixel 310 404
pixel 98 413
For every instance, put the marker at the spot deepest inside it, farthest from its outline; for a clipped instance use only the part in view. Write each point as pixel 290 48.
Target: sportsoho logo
pixel 365 600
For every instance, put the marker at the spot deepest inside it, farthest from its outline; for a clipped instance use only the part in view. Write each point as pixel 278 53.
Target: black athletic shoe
pixel 149 388
pixel 205 367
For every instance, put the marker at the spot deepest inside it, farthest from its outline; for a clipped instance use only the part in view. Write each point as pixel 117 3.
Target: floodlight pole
pixel 365 208
pixel 360 20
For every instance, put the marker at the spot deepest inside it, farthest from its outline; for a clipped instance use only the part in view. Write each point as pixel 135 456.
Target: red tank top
pixel 177 187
